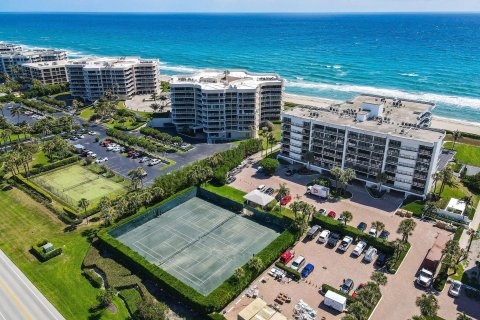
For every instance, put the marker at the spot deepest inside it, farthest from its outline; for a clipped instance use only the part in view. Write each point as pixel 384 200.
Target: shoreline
pixel 437 122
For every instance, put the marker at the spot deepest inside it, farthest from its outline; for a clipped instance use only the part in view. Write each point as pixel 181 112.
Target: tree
pixel 76 104
pixel 436 177
pixel 347 176
pixel 399 246
pixel 455 135
pixel 369 295
pixel 105 297
pixel 379 278
pixel 381 178
pixel 148 309
pixel 463 316
pixel 239 274
pixel 137 176
pixel 447 179
pixel 358 310
pixel 1 109
pixel 309 157
pixel 5 135
pixel 406 228
pixel 16 111
pixel 428 305
pixel 269 165
pixel 255 264
pixel 336 173
pixel 429 208
pixel 155 107
pixel 346 216
pixel 308 210
pixel 453 254
pixel 283 191
pixel 83 203
pixel 296 207
pixel 379 226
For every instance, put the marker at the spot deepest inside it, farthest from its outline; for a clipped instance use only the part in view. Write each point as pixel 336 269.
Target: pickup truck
pixel 346 242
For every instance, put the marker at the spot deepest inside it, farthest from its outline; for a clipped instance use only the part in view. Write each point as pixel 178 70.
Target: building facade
pixel 90 78
pixel 225 105
pixel 370 135
pixel 51 72
pixel 9 48
pixel 11 62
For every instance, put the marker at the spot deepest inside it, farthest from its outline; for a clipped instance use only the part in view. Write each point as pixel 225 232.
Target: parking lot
pixel 332 267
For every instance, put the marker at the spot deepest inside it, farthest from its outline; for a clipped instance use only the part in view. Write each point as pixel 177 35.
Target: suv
pixel 381 260
pixel 298 263
pixel 362 226
pixel 346 242
pixel 324 236
pixel 332 241
pixel 370 254
pixel 312 233
pixel 347 286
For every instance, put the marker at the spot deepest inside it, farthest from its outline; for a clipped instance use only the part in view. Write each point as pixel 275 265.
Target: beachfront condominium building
pixel 225 105
pixel 91 77
pixel 371 135
pixel 12 61
pixel 50 72
pixel 9 48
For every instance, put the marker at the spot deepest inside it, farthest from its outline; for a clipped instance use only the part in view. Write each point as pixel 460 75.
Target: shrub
pixel 293 273
pixel 394 265
pixel 105 297
pixel 441 278
pixel 144 143
pixel 269 165
pixel 42 256
pixel 70 212
pixel 326 288
pixel 54 165
pixel 32 186
pixel 132 298
pixel 216 316
pixel 271 205
pixel 92 277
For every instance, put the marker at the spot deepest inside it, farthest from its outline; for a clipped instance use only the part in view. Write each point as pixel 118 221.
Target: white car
pixel 92 133
pixel 455 288
pixel 359 248
pixel 116 149
pixel 261 187
pixel 101 160
pixel 154 162
pixel 324 236
pixel 346 242
pixel 370 255
pixel 372 232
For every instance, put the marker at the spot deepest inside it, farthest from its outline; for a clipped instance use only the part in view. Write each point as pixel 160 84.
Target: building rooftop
pixel 32 52
pixel 110 62
pixel 221 80
pixel 46 64
pixel 9 47
pixel 403 118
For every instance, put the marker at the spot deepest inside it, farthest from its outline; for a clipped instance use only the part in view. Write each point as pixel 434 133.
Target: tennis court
pixel 198 242
pixel 76 182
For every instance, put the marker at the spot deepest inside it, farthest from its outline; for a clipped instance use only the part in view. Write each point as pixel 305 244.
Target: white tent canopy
pixel 258 197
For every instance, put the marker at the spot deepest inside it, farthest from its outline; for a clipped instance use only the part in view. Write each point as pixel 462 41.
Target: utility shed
pixel 47 247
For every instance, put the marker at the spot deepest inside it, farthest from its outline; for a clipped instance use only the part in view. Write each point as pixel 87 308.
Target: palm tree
pixel 308 211
pixel 309 157
pixel 381 179
pixel 399 246
pixel 463 316
pixel 255 264
pixel 271 139
pixel 16 111
pixel 379 278
pixel 137 176
pixel 436 177
pixel 406 228
pixel 379 226
pixel 468 202
pixel 453 254
pixel 347 176
pixel 5 135
pixel 336 173
pixel 447 178
pixel 283 190
pixel 48 147
pixel 429 208
pixel 163 105
pixel 296 207
pixel 346 216
pixel 239 274
pixel 154 96
pixel 369 295
pixel 83 203
pixel 455 135
pixel 76 104
pixel 428 305
pixel 358 310
pixel 155 107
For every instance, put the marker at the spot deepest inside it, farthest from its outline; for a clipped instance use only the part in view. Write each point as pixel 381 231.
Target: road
pixel 19 298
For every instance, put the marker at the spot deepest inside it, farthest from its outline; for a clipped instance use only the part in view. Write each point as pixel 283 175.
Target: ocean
pixel 433 57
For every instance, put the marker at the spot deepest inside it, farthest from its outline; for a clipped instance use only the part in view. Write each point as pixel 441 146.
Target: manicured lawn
pixel 415 207
pixel 226 191
pixel 23 223
pixel 458 191
pixel 39 159
pixel 277 133
pixel 467 154
pixel 87 113
pixel 13 137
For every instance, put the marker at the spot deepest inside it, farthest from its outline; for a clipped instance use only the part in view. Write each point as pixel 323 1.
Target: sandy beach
pixel 437 122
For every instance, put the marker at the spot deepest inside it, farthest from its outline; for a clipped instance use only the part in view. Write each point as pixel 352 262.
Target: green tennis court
pixel 198 242
pixel 76 182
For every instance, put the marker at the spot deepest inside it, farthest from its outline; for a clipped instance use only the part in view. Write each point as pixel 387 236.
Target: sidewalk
pixel 474 224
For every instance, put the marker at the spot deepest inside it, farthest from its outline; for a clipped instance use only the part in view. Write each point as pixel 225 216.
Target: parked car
pixel 370 255
pixel 116 149
pixel 286 200
pixel 347 286
pixel 144 159
pixel 358 289
pixel 298 263
pixel 313 231
pixel 455 288
pixel 101 160
pixel 362 226
pixel 381 260
pixel 324 236
pixel 287 256
pixel 154 162
pixel 288 172
pixel 322 212
pixel 269 191
pixel 333 240
pixel 346 242
pixel 359 248
pixel 332 214
pixel 92 133
pixel 105 143
pixel 384 235
pixel 372 232
pixel 307 270
pixel 231 179
pixel 261 187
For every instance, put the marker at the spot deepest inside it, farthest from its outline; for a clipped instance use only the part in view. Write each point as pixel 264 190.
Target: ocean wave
pixel 429 97
pixel 412 75
pixel 337 67
pixel 181 69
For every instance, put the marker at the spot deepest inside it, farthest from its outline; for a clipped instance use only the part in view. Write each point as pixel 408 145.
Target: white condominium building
pixel 125 76
pixel 50 72
pixel 10 59
pixel 9 48
pixel 225 105
pixel 370 134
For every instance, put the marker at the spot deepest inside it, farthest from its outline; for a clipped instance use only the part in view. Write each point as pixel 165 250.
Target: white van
pixel 298 263
pixel 335 301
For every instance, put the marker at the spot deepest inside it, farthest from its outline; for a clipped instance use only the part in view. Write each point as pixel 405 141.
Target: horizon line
pixel 243 12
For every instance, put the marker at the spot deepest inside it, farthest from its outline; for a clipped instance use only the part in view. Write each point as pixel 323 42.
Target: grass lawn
pixel 458 191
pixel 87 113
pixel 13 137
pixel 415 207
pixel 467 154
pixel 277 133
pixel 226 191
pixel 464 140
pixel 39 159
pixel 24 222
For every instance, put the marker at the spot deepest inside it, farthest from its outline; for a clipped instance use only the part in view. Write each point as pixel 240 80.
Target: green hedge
pixel 326 287
pixel 70 212
pixel 217 299
pixel 92 277
pixel 132 298
pixel 54 165
pixel 296 275
pixel 216 316
pixel 441 278
pixel 338 226
pixel 394 267
pixel 139 142
pixel 42 256
pixel 458 233
pixel 32 186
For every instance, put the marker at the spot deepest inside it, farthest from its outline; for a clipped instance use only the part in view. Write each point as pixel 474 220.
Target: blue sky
pixel 240 5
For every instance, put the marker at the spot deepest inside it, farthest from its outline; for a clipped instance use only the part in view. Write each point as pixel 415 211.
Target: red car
pixel 332 214
pixel 286 200
pixel 105 143
pixel 287 256
pixel 359 288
